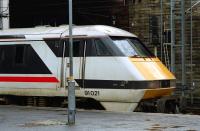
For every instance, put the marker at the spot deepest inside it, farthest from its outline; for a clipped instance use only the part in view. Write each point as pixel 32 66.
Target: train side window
pixel 90 48
pixel 56 46
pixel 2 54
pixel 19 54
pixel 101 49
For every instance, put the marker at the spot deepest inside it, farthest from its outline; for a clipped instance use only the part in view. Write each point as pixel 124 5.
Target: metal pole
pixel 71 83
pixel 161 28
pixel 1 18
pixel 191 51
pixel 4 12
pixel 183 44
pixel 191 39
pixel 172 36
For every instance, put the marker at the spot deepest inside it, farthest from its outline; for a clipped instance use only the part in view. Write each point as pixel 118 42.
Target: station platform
pixel 16 118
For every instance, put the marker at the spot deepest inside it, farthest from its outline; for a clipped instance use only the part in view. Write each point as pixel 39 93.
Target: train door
pixel 79 49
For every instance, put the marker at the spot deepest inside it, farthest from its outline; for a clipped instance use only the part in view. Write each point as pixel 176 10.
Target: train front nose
pixel 152 69
pixel 159 80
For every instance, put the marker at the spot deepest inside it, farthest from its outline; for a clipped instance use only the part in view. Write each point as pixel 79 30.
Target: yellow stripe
pixel 152 69
pixel 144 70
pixel 157 93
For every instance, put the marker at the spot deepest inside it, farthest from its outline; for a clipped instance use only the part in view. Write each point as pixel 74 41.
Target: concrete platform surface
pixel 16 118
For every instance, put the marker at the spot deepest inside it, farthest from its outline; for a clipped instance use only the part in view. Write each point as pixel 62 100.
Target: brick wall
pixel 140 13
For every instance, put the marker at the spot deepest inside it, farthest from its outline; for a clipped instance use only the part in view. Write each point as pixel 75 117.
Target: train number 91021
pixel 92 93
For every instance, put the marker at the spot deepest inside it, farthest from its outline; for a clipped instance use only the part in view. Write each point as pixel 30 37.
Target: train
pixel 111 66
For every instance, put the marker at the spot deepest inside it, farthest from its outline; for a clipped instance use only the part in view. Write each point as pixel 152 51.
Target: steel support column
pixel 71 82
pixel 161 28
pixel 172 25
pixel 191 52
pixel 183 45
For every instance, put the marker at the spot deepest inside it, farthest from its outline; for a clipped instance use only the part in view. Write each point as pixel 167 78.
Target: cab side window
pixel 90 48
pixel 57 47
pixel 101 48
pixel 78 48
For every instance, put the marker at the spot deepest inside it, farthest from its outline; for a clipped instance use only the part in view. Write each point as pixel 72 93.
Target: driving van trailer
pixel 111 65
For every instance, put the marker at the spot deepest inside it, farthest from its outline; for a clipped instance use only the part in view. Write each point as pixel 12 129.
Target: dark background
pixel 30 13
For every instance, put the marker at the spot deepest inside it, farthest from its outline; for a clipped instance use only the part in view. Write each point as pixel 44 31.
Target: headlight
pixel 154 84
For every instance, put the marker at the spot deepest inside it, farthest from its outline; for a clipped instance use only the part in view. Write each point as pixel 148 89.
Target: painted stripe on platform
pixel 28 79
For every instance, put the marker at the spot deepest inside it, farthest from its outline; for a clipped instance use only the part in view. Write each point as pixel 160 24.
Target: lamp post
pixel 71 83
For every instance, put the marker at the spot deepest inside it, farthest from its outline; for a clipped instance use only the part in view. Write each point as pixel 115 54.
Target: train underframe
pixel 168 104
pixel 39 101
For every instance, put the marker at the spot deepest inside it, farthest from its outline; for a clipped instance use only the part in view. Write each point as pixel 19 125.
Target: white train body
pixel 107 65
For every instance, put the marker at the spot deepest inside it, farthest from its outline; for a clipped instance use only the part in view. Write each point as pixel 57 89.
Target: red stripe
pixel 28 79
